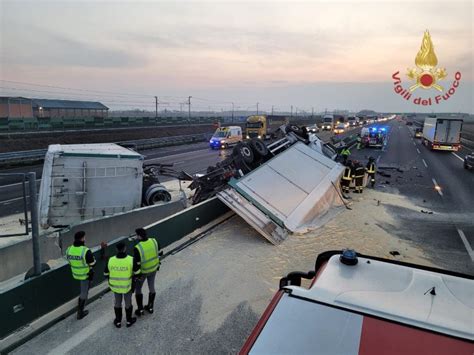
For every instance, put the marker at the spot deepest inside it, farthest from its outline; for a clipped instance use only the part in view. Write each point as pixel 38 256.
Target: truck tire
pixel 244 151
pixel 156 194
pixel 259 148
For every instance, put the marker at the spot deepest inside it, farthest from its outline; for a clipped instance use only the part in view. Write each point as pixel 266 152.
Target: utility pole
pixel 156 106
pixel 272 110
pixel 232 112
pixel 181 108
pixel 291 110
pixel 296 111
pixel 189 108
pixel 257 108
pixel 312 112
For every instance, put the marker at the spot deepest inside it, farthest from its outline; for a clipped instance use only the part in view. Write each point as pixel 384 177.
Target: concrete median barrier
pixel 23 303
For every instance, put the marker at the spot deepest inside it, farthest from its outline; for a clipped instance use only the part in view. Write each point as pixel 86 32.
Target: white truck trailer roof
pixel 84 181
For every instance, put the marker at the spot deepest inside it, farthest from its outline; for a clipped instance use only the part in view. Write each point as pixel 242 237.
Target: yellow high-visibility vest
pixel 120 274
pixel 76 256
pixel 371 168
pixel 347 174
pixel 149 259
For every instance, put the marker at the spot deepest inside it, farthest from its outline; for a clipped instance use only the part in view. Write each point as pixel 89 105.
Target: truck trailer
pixel 86 181
pixel 442 133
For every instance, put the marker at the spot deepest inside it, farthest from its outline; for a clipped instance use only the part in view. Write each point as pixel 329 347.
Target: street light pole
pixel 156 106
pixel 272 110
pixel 257 108
pixel 291 110
pixel 232 112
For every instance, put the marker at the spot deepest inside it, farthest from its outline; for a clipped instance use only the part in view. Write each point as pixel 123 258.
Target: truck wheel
pixel 244 151
pixel 465 166
pixel 258 147
pixel 156 194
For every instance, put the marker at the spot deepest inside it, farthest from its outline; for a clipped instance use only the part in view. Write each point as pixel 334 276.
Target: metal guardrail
pixel 141 144
pixel 467 143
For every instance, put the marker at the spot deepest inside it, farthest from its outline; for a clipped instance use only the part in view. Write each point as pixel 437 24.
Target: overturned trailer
pixel 288 186
pixel 86 181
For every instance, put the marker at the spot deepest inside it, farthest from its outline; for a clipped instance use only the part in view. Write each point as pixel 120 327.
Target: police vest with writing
pixel 120 274
pixel 149 260
pixel 371 168
pixel 76 256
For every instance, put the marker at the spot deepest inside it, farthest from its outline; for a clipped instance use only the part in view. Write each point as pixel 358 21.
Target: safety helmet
pixel 371 158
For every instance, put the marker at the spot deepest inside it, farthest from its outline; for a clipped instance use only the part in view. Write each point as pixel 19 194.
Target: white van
pixel 224 137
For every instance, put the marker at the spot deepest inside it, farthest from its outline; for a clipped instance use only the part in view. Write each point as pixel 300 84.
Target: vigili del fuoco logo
pixel 426 76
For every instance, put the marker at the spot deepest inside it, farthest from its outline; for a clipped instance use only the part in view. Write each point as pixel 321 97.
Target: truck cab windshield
pixel 254 125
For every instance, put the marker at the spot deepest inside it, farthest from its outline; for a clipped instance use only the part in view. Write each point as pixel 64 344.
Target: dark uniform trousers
pixel 359 179
pixel 346 180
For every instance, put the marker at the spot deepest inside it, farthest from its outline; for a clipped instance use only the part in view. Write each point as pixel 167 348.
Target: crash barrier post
pixel 21 304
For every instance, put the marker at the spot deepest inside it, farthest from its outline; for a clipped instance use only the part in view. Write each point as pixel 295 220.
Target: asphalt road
pixel 438 183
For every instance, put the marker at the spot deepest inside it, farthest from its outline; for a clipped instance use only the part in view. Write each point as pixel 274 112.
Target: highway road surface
pixel 437 182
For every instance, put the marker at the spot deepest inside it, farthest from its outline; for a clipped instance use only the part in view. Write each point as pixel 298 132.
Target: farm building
pixel 21 107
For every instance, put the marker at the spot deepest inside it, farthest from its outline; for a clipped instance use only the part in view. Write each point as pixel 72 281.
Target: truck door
pixel 454 131
pixel 441 132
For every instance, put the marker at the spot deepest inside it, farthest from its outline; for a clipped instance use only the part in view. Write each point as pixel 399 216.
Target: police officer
pixel 358 173
pixel 81 260
pixel 120 270
pixel 345 153
pixel 371 169
pixel 346 177
pixel 146 255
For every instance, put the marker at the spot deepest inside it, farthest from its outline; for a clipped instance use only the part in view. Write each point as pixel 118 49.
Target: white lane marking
pixel 466 244
pixel 418 151
pixel 414 143
pixel 437 187
pixel 13 199
pixel 378 158
pixel 17 183
pixel 176 155
pixel 457 156
pixel 424 162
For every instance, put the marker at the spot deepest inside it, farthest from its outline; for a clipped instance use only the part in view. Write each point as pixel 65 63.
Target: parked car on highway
pixel 469 161
pixel 418 133
pixel 373 136
pixel 312 128
pixel 340 128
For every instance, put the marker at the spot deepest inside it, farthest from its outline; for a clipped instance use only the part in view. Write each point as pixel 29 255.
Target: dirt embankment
pixel 33 141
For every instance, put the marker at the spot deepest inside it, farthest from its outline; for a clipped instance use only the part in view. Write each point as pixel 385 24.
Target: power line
pixel 75 89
